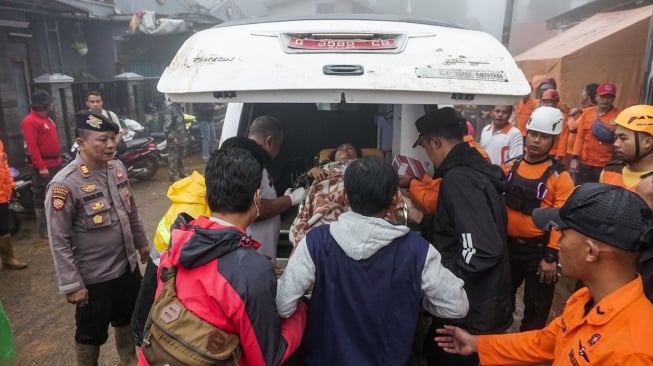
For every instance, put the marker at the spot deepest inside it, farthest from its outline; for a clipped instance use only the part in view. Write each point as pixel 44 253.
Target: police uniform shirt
pixel 93 224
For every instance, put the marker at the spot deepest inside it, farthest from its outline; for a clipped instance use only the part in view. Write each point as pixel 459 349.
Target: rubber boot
pixel 7 254
pixel 125 345
pixel 87 354
pixel 41 223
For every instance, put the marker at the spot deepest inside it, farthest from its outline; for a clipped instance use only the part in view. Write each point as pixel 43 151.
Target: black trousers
pixel 4 218
pixel 525 257
pixel 436 356
pixel 588 174
pixel 144 301
pixel 40 183
pixel 109 302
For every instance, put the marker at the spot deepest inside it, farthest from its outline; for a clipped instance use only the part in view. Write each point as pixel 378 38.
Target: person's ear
pixel 436 142
pixel 80 143
pixel 257 197
pixel 592 251
pixel 647 141
pixel 269 141
pixel 345 197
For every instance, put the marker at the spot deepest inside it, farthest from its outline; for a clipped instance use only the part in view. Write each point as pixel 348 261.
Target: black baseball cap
pixel 87 120
pixel 603 212
pixel 441 122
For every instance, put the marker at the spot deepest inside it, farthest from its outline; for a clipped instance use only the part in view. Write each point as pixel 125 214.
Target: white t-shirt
pixel 266 231
pixel 502 145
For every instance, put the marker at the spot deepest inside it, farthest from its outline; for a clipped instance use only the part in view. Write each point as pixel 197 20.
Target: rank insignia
pixel 97 219
pixel 59 195
pixel 120 174
pixel 89 188
pixel 97 206
pixel 94 122
pixel 86 172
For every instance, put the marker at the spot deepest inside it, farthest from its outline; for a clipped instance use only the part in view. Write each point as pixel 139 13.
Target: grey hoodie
pixel 360 237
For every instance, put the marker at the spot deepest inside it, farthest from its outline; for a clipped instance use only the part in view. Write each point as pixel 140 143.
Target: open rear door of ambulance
pixel 344 60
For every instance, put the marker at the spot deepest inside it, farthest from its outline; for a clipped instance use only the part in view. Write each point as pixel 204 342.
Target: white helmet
pixel 546 120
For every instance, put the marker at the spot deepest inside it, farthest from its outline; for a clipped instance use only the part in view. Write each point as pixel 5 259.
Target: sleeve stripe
pixel 468 247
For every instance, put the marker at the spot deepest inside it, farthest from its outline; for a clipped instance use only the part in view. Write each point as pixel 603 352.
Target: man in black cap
pixel 468 229
pixel 42 150
pixel 96 236
pixel 609 322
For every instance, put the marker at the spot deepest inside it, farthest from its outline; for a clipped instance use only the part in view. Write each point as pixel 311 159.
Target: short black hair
pixel 359 152
pixel 92 92
pixel 370 183
pixel 590 90
pixel 250 145
pixel 232 176
pixel 264 126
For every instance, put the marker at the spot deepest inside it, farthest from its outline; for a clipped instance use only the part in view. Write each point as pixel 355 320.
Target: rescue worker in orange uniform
pixel 525 107
pixel 535 180
pixel 593 147
pixel 570 129
pixel 7 184
pixel 633 146
pixel 551 98
pixel 609 322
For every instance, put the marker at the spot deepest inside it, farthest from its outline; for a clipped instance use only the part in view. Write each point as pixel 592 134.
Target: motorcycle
pixel 141 158
pixel 20 194
pixel 161 146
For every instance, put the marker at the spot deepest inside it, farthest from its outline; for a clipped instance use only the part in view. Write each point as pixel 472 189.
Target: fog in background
pixel 485 15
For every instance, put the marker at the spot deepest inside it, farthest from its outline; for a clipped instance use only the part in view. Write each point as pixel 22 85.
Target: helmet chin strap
pixel 638 156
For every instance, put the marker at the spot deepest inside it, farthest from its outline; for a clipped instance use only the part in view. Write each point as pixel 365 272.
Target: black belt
pixel 50 157
pixel 573 131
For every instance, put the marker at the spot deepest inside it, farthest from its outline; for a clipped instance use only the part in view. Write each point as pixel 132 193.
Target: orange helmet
pixel 636 118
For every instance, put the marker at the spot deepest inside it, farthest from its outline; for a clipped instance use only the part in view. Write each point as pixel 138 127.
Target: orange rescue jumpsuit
pixel 591 151
pixel 616 331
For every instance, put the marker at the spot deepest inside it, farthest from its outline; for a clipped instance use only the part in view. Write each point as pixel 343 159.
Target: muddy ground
pixel 42 320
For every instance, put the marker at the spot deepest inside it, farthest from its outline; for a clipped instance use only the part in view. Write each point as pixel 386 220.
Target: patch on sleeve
pixel 59 196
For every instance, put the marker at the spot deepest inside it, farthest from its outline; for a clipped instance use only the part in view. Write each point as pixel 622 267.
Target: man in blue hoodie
pixel 369 278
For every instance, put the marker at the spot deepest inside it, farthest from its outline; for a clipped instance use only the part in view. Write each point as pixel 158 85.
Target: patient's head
pixel 346 151
pixel 370 185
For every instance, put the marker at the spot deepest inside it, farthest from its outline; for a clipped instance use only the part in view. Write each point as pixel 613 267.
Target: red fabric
pixel 208 295
pixel 42 141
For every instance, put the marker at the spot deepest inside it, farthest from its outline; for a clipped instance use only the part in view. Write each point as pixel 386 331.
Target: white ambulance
pixel 358 79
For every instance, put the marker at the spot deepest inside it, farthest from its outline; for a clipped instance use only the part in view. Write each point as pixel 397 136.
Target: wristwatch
pixel 551 256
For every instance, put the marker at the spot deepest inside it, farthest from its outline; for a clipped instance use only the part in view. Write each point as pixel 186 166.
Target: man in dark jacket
pixel 468 229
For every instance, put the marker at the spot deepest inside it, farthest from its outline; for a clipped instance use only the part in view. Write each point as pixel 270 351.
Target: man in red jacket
pixel 43 151
pixel 222 279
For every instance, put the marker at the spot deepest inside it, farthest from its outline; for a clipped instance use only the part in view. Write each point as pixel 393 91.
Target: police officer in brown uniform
pixel 95 233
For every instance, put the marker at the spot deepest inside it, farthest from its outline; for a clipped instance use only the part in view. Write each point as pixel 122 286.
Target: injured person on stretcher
pixel 325 200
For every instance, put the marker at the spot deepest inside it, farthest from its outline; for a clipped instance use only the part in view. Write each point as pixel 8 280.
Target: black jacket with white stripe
pixel 469 230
